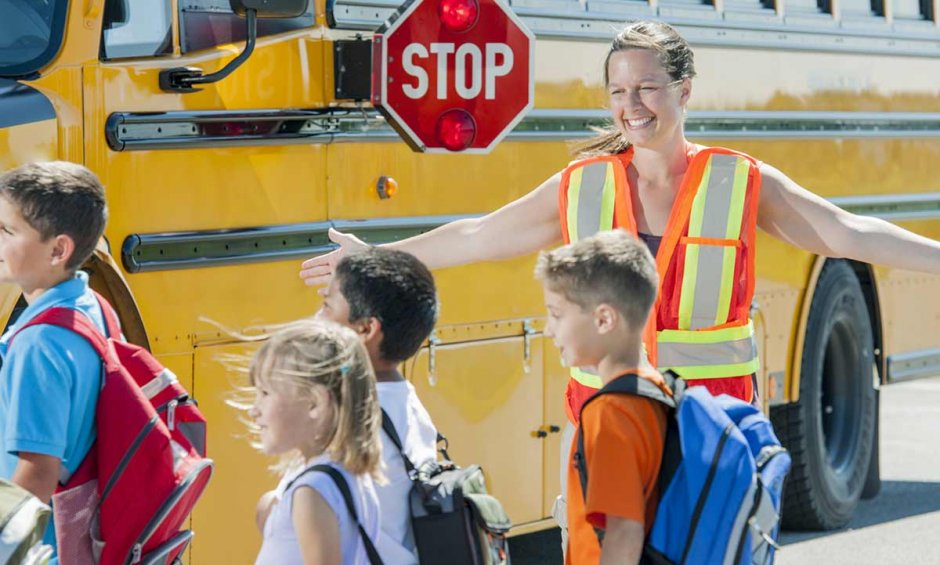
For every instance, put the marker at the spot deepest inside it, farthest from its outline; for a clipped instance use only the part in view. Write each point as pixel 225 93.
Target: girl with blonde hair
pixel 316 406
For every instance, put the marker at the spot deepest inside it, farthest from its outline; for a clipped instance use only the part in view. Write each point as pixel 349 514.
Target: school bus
pixel 216 193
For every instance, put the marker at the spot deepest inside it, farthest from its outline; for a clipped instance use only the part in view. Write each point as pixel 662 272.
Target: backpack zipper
pixel 703 496
pixel 170 503
pixel 126 458
pixel 763 458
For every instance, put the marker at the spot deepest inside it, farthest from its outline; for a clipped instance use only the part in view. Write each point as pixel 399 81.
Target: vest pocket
pixel 707 282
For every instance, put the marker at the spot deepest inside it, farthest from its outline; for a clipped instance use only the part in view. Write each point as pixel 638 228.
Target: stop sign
pixel 453 75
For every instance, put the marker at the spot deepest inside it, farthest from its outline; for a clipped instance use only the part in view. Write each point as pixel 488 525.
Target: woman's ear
pixel 685 91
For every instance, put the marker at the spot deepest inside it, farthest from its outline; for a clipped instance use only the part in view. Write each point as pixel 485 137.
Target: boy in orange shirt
pixel 598 293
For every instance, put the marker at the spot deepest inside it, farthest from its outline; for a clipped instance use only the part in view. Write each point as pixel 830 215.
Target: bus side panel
pixel 224 519
pixel 480 397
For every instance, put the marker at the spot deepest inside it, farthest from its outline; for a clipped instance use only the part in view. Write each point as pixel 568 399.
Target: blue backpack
pixel 720 481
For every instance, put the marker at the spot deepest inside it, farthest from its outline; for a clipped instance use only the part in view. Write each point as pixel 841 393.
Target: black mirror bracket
pixel 184 79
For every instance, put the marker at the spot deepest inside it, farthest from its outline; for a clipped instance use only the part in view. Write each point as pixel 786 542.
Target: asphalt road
pixel 900 526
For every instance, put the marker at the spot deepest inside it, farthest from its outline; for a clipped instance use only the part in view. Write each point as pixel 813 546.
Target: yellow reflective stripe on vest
pixel 717 213
pixel 716 371
pixel 595 381
pixel 574 192
pixel 587 379
pixel 707 354
pixel 686 298
pixel 592 192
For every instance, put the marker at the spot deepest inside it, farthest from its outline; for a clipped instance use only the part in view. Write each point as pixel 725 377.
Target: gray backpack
pixel 23 520
pixel 454 519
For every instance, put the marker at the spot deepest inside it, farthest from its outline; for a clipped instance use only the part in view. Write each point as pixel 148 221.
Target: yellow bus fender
pixel 105 276
pixel 872 292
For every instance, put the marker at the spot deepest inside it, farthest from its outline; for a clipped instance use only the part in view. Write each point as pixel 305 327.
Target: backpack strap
pixel 631 383
pixel 111 321
pixel 343 487
pixel 72 320
pixel 389 428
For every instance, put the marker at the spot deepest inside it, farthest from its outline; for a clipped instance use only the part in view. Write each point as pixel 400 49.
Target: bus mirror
pixel 186 79
pixel 270 8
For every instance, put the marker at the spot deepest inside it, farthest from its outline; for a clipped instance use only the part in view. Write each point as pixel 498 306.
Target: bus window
pixel 207 23
pixel 751 10
pixel 30 34
pixel 137 28
pixel 808 12
pixel 855 13
pixel 912 13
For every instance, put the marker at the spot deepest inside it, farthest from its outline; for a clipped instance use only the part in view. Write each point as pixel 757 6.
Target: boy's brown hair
pixel 59 198
pixel 609 268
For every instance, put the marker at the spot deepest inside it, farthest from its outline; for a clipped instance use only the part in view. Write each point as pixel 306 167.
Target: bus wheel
pixel 831 429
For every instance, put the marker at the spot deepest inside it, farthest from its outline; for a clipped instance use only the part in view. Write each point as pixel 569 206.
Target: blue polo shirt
pixel 49 384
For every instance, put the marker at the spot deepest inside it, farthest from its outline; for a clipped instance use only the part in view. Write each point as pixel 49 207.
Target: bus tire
pixel 830 430
pixel 873 482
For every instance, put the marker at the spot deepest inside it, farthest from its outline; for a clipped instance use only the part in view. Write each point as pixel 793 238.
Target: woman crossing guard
pixel 697 208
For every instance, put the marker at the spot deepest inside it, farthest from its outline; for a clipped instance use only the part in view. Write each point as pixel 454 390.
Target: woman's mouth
pixel 639 123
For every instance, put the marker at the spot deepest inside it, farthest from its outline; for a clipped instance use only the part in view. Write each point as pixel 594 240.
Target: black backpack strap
pixel 389 428
pixel 630 383
pixel 343 487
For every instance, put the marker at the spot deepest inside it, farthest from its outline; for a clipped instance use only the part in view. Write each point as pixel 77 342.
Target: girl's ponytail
pixel 356 443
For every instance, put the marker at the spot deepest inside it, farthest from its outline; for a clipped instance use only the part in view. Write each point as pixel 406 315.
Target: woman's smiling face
pixel 647 105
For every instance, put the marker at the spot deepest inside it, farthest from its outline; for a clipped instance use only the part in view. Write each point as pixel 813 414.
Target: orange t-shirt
pixel 624 437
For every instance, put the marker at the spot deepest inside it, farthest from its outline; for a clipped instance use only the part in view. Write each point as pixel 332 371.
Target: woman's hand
pixel 318 271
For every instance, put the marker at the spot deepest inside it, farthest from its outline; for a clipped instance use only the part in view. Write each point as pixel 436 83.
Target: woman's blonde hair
pixel 677 60
pixel 313 353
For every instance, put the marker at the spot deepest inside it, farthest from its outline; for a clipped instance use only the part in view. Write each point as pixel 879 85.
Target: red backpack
pixel 127 501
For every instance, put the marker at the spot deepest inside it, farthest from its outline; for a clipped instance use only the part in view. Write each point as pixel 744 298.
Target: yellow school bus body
pixel 489 378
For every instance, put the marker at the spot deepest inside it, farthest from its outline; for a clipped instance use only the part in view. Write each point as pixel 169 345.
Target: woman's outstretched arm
pixel 793 214
pixel 523 226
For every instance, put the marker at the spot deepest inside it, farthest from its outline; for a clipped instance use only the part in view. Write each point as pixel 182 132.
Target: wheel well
pixel 866 278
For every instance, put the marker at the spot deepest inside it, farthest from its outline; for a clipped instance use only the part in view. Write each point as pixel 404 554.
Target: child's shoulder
pixel 621 417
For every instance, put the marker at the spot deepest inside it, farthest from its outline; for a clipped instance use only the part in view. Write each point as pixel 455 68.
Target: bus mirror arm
pixel 183 79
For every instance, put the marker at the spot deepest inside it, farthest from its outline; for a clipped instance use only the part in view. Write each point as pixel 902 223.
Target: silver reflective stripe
pixel 158 383
pixel 697 354
pixel 718 196
pixel 711 259
pixel 739 529
pixel 591 198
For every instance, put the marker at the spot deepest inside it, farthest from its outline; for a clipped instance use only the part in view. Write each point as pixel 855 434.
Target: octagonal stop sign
pixel 453 75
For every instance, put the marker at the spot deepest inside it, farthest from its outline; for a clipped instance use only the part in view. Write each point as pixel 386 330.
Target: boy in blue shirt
pixel 51 218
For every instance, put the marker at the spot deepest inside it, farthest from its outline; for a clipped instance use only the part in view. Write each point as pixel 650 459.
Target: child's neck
pixel 388 374
pixel 36 290
pixel 616 364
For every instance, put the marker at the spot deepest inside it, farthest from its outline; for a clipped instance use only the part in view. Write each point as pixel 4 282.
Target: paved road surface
pixel 900 526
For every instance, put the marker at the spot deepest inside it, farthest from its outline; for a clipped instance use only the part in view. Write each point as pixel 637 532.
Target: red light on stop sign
pixel 456 129
pixel 458 15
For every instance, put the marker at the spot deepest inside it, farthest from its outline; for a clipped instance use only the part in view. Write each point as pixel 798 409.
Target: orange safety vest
pixel 700 327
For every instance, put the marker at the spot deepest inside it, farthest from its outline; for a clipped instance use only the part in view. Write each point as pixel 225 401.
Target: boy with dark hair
pixel 51 218
pixel 598 293
pixel 388 297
